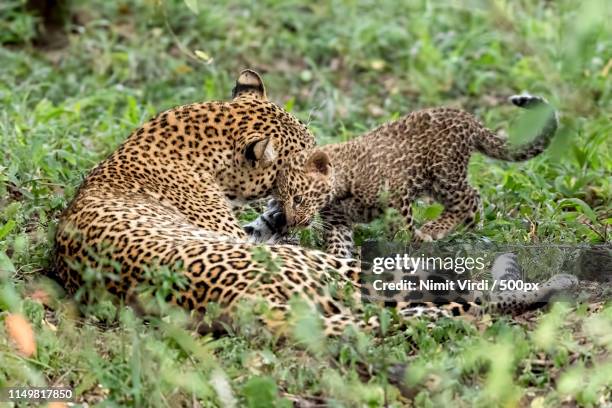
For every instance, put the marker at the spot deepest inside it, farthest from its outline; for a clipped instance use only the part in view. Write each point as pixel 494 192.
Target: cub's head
pixel 263 137
pixel 304 185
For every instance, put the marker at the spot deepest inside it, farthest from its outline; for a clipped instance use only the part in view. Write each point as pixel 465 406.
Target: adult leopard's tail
pixel 497 147
pixel 506 268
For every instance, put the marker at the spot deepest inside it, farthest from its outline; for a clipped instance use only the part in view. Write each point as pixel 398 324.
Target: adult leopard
pixel 163 198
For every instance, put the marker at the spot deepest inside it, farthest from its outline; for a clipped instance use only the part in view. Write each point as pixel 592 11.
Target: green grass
pixel 343 67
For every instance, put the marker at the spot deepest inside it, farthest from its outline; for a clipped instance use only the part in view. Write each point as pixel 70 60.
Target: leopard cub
pixel 425 153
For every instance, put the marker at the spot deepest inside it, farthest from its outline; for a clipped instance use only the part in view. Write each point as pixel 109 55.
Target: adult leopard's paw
pixel 270 227
pixel 419 236
pixel 557 285
pixel 562 282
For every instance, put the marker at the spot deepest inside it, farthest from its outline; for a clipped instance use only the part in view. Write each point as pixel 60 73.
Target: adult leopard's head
pixel 264 136
pixel 304 185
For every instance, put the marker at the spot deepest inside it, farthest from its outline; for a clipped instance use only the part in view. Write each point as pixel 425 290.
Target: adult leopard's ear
pixel 318 162
pixel 260 152
pixel 249 83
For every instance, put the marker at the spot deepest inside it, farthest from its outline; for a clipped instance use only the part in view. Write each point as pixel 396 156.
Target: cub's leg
pixel 461 203
pixel 339 218
pixel 476 215
pixel 404 206
pixel 338 233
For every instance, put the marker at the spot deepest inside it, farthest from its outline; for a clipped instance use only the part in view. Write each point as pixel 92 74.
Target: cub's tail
pixel 497 147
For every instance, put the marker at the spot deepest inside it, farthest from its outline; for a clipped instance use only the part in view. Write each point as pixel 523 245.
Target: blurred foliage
pixel 343 66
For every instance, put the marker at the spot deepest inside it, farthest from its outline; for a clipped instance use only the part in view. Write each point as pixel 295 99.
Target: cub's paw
pixel 526 100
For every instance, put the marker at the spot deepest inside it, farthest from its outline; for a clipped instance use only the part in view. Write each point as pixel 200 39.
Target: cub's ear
pixel 318 162
pixel 260 152
pixel 249 83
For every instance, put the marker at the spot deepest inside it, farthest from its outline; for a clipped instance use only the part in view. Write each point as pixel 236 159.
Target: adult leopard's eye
pixel 297 200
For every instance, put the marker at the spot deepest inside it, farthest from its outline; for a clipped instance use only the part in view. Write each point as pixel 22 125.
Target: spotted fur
pixel 164 198
pixel 425 153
